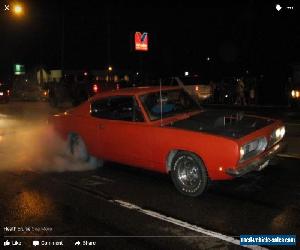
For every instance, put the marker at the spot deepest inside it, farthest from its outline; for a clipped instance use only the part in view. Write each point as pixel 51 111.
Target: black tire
pixel 189 174
pixel 77 149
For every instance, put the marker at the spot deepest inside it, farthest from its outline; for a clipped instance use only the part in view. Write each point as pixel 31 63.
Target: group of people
pixel 233 92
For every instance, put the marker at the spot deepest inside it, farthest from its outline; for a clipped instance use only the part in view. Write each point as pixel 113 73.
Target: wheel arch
pixel 172 153
pixel 72 133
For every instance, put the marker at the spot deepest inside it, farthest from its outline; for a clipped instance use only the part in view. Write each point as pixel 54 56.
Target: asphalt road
pixel 46 197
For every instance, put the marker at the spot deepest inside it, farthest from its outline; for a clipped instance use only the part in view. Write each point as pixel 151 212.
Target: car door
pixel 122 131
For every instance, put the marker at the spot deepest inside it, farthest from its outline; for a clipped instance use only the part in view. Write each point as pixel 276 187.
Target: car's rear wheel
pixel 189 174
pixel 77 149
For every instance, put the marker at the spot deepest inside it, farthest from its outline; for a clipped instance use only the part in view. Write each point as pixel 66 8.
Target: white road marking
pixel 289 156
pixel 97 177
pixel 292 124
pixel 96 180
pixel 184 224
pixel 93 183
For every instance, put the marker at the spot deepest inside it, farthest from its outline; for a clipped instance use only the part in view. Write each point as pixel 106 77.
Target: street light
pixel 278 7
pixel 109 73
pixel 18 9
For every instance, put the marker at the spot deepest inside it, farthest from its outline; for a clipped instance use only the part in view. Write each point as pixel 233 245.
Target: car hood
pixel 226 123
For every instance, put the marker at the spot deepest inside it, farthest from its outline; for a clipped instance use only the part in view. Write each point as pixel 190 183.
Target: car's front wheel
pixel 189 174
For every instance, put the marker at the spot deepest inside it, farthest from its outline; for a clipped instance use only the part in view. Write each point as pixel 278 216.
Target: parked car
pixel 29 90
pixel 33 92
pixel 295 97
pixel 196 87
pixel 76 90
pixel 4 93
pixel 164 130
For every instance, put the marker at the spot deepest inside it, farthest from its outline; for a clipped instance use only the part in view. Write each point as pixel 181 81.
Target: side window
pixel 122 108
pixel 100 108
pixel 137 113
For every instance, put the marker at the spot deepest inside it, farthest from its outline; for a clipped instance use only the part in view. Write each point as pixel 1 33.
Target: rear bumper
pixel 259 163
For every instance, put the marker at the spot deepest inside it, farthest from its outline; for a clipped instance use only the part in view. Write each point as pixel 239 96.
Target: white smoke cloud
pixel 33 145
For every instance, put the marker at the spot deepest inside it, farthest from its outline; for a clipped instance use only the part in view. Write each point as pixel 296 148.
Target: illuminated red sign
pixel 141 41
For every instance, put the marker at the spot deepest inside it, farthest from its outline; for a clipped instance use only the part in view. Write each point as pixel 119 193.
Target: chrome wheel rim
pixel 188 173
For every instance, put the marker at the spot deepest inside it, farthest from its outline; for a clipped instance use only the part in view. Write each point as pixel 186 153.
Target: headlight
pixel 282 132
pixel 253 148
pixel 277 135
pixel 293 93
pixel 242 152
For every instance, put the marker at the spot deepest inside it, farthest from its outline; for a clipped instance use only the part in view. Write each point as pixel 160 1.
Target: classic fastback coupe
pixel 163 129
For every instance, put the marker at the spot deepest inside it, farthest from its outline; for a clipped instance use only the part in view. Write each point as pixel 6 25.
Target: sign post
pixel 141 47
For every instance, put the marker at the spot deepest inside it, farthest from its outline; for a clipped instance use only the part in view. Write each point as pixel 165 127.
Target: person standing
pixel 252 99
pixel 240 92
pixel 212 85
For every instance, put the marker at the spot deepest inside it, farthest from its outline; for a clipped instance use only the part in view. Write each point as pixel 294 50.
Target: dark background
pixel 238 36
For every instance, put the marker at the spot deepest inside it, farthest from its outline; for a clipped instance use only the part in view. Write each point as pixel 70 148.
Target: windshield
pixel 168 103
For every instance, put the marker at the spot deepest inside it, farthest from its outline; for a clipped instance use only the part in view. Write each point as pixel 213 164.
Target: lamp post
pixel 15 11
pixel 110 69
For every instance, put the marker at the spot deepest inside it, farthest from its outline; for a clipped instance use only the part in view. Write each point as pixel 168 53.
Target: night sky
pixel 237 36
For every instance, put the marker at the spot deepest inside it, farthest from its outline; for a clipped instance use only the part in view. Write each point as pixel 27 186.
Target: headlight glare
pixel 277 135
pixel 242 152
pixel 282 132
pixel 295 93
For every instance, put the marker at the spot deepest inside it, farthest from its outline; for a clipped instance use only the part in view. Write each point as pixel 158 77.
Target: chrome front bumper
pixel 259 163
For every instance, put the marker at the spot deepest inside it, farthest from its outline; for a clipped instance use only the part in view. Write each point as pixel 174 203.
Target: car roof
pixel 135 91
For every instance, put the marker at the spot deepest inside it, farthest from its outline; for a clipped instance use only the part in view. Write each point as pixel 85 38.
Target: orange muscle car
pixel 164 129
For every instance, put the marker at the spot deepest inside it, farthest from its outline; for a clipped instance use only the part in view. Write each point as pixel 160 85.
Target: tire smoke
pixel 32 145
